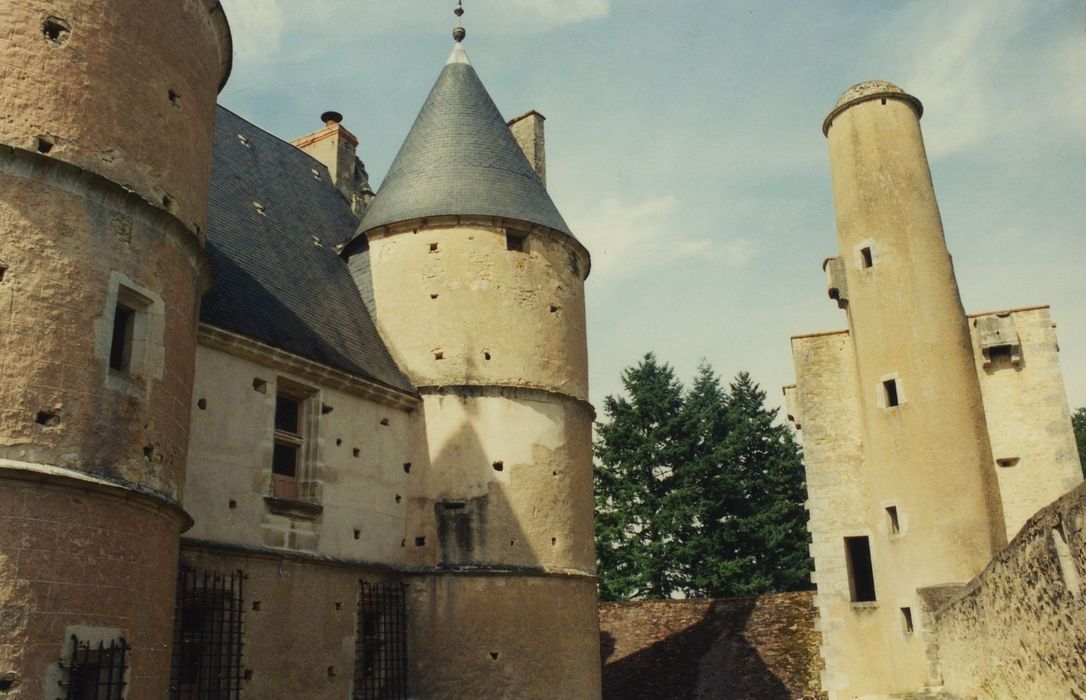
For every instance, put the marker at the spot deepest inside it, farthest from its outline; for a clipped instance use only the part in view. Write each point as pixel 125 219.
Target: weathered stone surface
pixel 764 647
pixel 72 559
pixel 1019 629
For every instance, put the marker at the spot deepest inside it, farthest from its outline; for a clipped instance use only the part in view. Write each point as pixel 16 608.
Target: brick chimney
pixel 335 147
pixel 527 129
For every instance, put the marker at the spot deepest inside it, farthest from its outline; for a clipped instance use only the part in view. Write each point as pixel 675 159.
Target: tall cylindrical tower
pixel 934 505
pixel 477 285
pixel 106 141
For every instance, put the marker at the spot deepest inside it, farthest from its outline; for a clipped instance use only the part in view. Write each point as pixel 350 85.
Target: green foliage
pixel 698 492
pixel 1078 420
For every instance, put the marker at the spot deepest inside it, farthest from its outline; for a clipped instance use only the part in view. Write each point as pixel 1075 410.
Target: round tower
pixel 477 285
pixel 104 158
pixel 933 513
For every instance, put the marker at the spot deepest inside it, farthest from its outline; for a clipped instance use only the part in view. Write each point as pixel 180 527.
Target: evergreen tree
pixel 697 493
pixel 637 506
pixel 772 520
pixel 1078 422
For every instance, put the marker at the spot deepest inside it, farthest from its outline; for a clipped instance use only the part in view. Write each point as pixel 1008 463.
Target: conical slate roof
pixel 461 159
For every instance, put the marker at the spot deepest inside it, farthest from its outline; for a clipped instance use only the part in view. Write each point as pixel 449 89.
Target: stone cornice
pixel 508 391
pixel 276 554
pixel 249 349
pixel 97 483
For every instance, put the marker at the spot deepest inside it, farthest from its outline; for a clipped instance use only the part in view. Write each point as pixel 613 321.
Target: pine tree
pixel 1078 422
pixel 697 493
pixel 769 466
pixel 637 507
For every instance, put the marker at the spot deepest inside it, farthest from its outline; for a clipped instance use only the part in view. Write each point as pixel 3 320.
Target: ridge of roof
pixel 461 159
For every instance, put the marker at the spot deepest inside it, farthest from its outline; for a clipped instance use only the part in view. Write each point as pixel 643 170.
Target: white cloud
pixel 628 238
pixel 962 53
pixel 256 25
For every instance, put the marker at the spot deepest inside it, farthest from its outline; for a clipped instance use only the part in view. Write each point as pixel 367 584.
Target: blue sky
pixel 684 145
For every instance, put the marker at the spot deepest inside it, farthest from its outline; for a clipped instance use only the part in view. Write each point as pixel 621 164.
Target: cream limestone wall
pixel 1029 423
pixel 513 638
pixel 493 334
pixel 937 438
pixel 913 473
pixel 838 493
pixel 299 624
pixel 1019 629
pixel 535 512
pixel 456 292
pixel 356 466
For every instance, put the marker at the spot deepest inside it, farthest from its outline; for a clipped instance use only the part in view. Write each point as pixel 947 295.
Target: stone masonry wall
pixel 764 647
pixel 71 562
pixel 1019 629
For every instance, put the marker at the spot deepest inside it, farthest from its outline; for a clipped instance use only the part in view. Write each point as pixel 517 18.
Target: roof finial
pixel 459 33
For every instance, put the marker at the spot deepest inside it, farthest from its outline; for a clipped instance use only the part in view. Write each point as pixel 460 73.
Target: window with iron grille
pixel 96 670
pixel 381 646
pixel 207 636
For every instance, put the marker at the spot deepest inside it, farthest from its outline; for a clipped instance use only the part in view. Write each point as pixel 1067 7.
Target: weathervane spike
pixel 459 33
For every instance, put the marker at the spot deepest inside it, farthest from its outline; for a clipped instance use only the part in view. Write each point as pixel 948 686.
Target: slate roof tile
pixel 278 277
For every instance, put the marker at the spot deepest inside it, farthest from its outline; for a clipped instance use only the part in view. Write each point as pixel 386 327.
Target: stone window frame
pixel 858 256
pixel 304 490
pixel 147 354
pixel 880 391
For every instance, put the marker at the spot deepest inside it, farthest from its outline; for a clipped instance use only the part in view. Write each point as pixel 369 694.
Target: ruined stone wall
pixel 741 648
pixel 1029 423
pixel 355 470
pixel 1019 629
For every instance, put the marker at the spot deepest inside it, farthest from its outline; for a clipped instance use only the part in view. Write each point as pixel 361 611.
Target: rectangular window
pixel 861 577
pixel 381 646
pixel 514 242
pixel 207 641
pixel 96 670
pixel 895 525
pixel 289 445
pixel 890 387
pixel 120 352
pixel 865 253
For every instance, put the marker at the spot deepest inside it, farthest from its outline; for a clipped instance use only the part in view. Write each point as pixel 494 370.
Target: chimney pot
pixel 330 118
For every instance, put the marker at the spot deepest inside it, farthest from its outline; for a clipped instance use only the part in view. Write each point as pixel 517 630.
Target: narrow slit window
pixel 868 258
pixel 890 387
pixel 907 621
pixel 895 524
pixel 120 352
pixel 861 577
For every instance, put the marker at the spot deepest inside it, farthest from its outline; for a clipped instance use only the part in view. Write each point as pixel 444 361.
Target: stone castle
pixel 264 433
pixel 931 439
pixel 259 434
